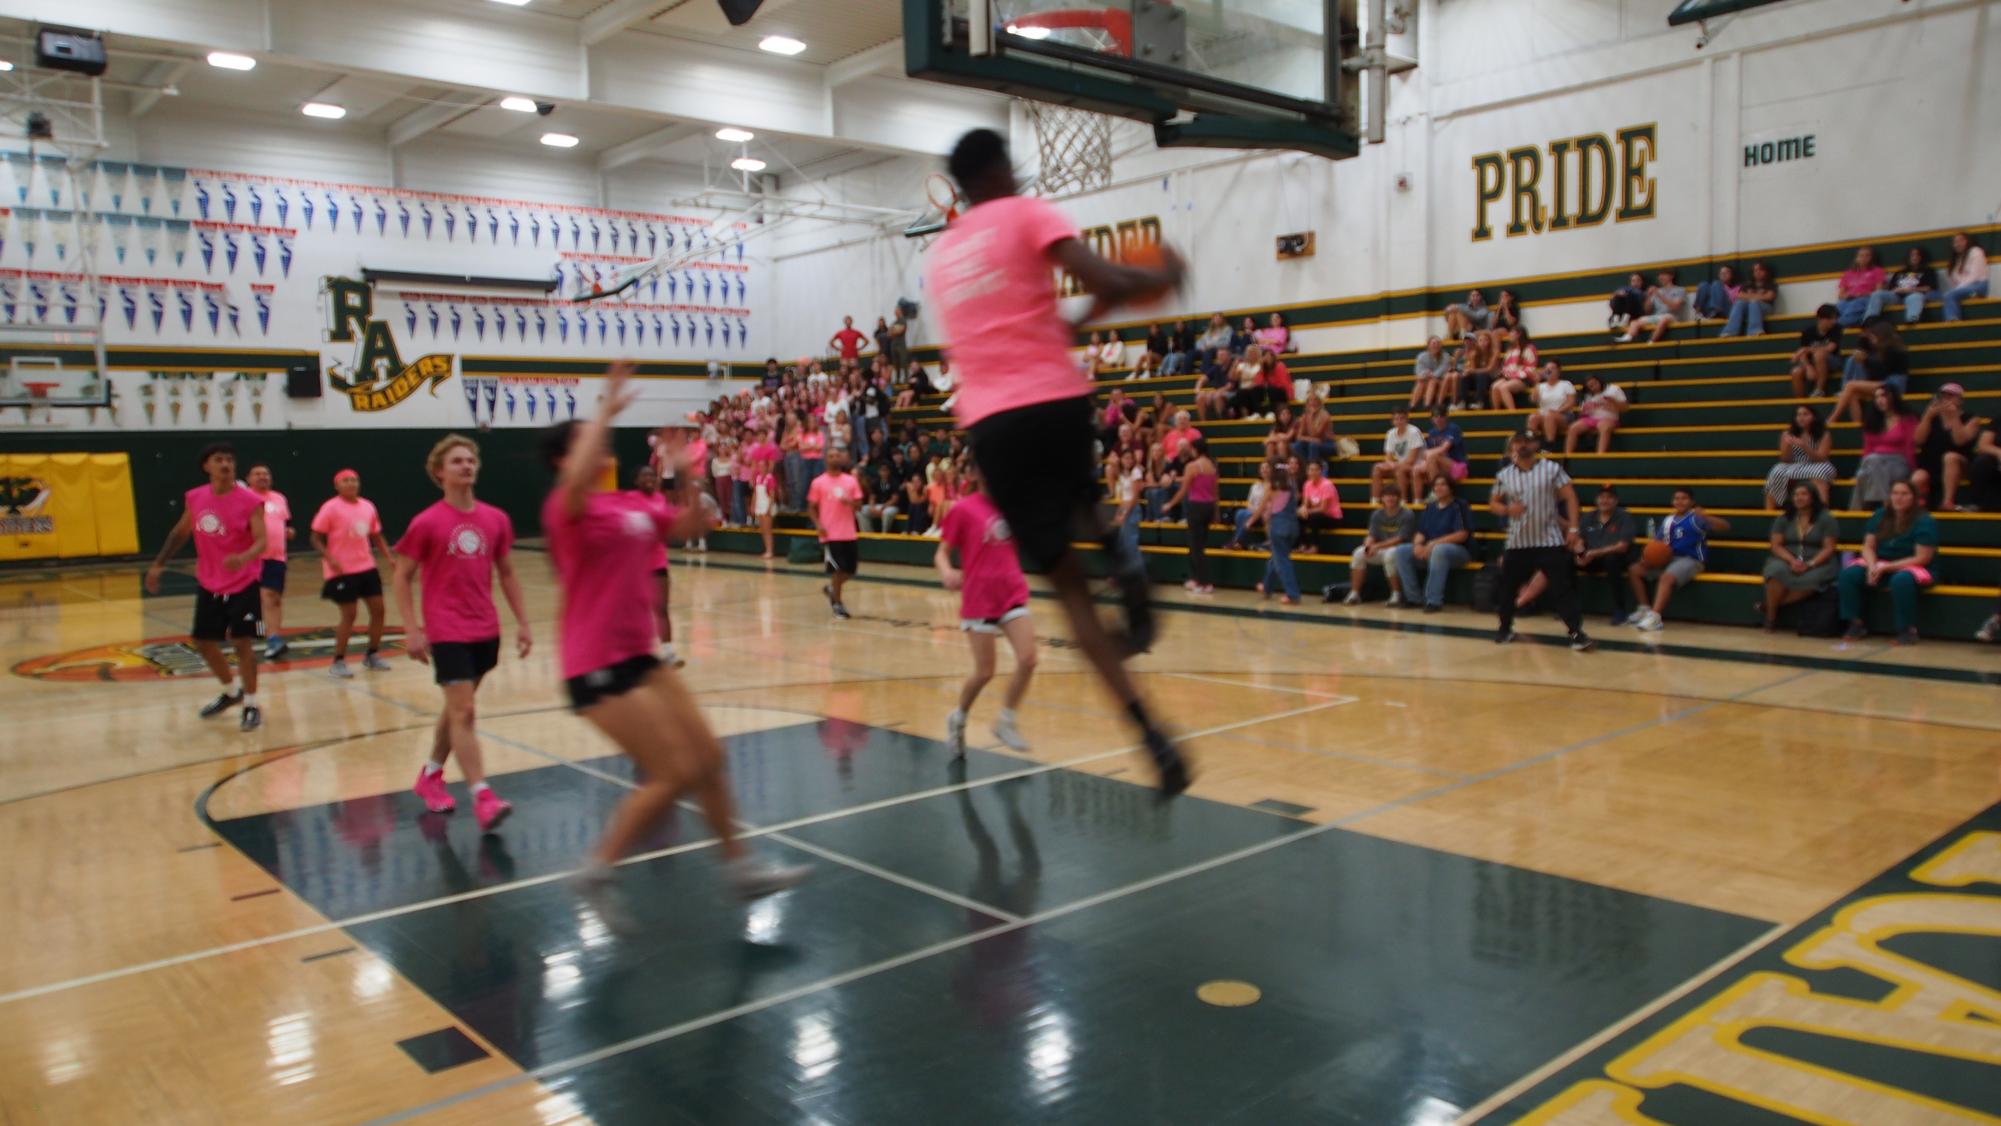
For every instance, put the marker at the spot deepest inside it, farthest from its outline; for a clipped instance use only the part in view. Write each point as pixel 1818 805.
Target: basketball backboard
pixel 1249 74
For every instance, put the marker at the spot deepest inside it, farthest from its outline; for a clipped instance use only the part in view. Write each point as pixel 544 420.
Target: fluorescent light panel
pixel 229 60
pixel 5 66
pixel 321 109
pixel 1028 32
pixel 559 140
pixel 512 3
pixel 747 164
pixel 734 135
pixel 518 104
pixel 780 45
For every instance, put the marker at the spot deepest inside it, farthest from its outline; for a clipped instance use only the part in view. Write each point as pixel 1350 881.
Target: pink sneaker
pixel 431 787
pixel 490 810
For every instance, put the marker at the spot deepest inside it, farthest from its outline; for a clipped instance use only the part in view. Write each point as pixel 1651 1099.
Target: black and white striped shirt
pixel 1536 487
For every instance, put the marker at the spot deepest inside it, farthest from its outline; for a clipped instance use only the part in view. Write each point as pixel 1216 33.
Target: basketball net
pixel 1073 146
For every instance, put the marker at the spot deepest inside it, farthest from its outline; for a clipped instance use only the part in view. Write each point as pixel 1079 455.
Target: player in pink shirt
pixel 831 503
pixel 455 547
pixel 601 544
pixel 278 530
pixel 1028 410
pixel 764 501
pixel 646 486
pixel 226 521
pixel 347 531
pixel 993 599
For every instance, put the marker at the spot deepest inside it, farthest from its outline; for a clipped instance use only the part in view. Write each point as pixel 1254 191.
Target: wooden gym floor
pixel 1699 877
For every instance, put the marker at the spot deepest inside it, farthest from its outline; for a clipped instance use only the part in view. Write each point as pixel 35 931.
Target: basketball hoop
pixel 946 205
pixel 38 394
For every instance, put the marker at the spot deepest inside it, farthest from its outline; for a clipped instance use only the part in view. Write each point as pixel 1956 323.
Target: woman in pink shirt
pixel 993 600
pixel 1858 284
pixel 602 545
pixel 1889 448
pixel 1274 337
pixel 347 532
pixel 271 580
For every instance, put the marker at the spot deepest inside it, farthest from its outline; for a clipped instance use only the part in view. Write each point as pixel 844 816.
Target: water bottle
pixel 1653 528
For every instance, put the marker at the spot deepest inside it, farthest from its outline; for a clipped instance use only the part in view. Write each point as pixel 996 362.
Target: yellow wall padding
pixel 66 506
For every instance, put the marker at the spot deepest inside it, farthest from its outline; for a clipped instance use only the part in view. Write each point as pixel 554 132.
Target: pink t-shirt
pixel 1861 283
pixel 1898 436
pixel 1322 493
pixel 993 583
pixel 661 510
pixel 812 444
pixel 698 458
pixel 222 524
pixel 1172 441
pixel 994 283
pixel 762 455
pixel 829 495
pixel 602 558
pixel 347 527
pixel 1274 338
pixel 276 514
pixel 456 552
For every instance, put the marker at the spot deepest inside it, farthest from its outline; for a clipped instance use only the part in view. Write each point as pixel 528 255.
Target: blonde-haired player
pixel 457 545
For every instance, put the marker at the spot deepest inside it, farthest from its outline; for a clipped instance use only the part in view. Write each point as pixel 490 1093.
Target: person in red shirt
pixel 848 342
pixel 458 545
pixel 993 600
pixel 226 520
pixel 832 501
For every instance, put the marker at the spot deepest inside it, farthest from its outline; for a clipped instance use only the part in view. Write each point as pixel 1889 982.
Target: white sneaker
pixel 597 886
pixel 339 670
pixel 755 879
pixel 1651 622
pixel 955 733
pixel 1990 630
pixel 1353 599
pixel 1395 600
pixel 1008 733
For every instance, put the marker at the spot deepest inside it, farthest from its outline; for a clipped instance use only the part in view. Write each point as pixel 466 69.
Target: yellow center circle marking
pixel 1229 994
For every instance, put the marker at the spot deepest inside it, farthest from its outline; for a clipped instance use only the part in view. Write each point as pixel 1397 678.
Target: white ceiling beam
pixel 160 75
pixel 616 17
pixel 642 148
pixel 861 64
pixel 424 119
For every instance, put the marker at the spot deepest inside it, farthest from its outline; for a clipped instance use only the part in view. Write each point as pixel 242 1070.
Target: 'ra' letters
pixel 1572 182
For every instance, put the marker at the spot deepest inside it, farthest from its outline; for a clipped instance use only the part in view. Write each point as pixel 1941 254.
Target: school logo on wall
pixel 23 507
pixel 378 378
pixel 1572 183
pixel 168 658
pixel 1114 241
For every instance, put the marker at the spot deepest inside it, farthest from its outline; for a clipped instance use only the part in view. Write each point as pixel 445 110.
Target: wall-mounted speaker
pixel 738 12
pixel 67 48
pixel 302 379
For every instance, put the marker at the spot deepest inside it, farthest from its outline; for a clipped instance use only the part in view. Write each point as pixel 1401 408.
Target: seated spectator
pixel 1212 394
pixel 1470 315
pixel 1479 365
pixel 941 493
pixel 1252 504
pixel 1213 339
pixel 1143 368
pixel 1319 507
pixel 1244 336
pixel 1279 509
pixel 1390 525
pixel 1805 448
pixel 1245 392
pixel 1889 448
pixel 1442 540
pixel 1753 303
pixel 1880 360
pixel 1444 454
pixel 1507 312
pixel 1155 344
pixel 1806 553
pixel 1278 441
pixel 1313 438
pixel 1518 372
pixel 1431 368
pixel 1555 399
pixel 1666 302
pixel 1911 285
pixel 1858 284
pixel 1272 388
pixel 1629 302
pixel 1275 338
pixel 1109 354
pixel 1686 531
pixel 1178 435
pixel 1820 347
pixel 1604 404
pixel 1945 442
pixel 1714 298
pixel 1898 545
pixel 917 503
pixel 1118 411
pixel 1180 350
pixel 1983 476
pixel 1965 276
pixel 1401 444
pixel 880 495
pixel 1162 481
pixel 1606 534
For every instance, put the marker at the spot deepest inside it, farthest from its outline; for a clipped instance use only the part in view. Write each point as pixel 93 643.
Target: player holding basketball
pixel 601 544
pixel 993 600
pixel 343 531
pixel 646 486
pixel 1028 409
pixel 227 523
pixel 456 546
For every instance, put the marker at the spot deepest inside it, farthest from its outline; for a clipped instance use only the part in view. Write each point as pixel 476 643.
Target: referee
pixel 1541 536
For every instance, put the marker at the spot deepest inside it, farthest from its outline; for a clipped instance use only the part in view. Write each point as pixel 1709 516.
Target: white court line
pixel 636 858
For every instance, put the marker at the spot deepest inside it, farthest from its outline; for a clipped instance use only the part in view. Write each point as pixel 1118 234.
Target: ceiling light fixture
pixel 780 45
pixel 747 164
pixel 321 109
pixel 229 60
pixel 512 3
pixel 559 140
pixel 5 66
pixel 1028 32
pixel 734 135
pixel 518 104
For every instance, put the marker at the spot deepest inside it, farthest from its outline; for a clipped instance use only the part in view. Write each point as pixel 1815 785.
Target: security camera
pixel 545 108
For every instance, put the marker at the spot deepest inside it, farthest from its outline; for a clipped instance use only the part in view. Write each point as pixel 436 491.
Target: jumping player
pixel 831 502
pixel 646 486
pixel 1028 409
pixel 227 523
pixel 457 545
pixel 343 531
pixel 601 544
pixel 278 530
pixel 993 600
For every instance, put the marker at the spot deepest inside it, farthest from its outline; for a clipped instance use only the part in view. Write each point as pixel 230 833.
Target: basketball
pixel 1148 256
pixel 1656 555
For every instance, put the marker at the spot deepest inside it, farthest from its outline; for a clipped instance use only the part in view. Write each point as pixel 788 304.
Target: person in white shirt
pixel 1400 450
pixel 1599 414
pixel 1965 276
pixel 1555 398
pixel 817 376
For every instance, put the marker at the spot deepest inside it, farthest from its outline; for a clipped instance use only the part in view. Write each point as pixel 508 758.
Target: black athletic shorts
pixel 843 556
pixel 1038 466
pixel 456 662
pixel 220 616
pixel 612 680
pixel 345 590
pixel 271 576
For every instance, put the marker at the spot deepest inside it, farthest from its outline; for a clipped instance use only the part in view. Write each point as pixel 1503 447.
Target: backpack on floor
pixel 1820 616
pixel 1486 588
